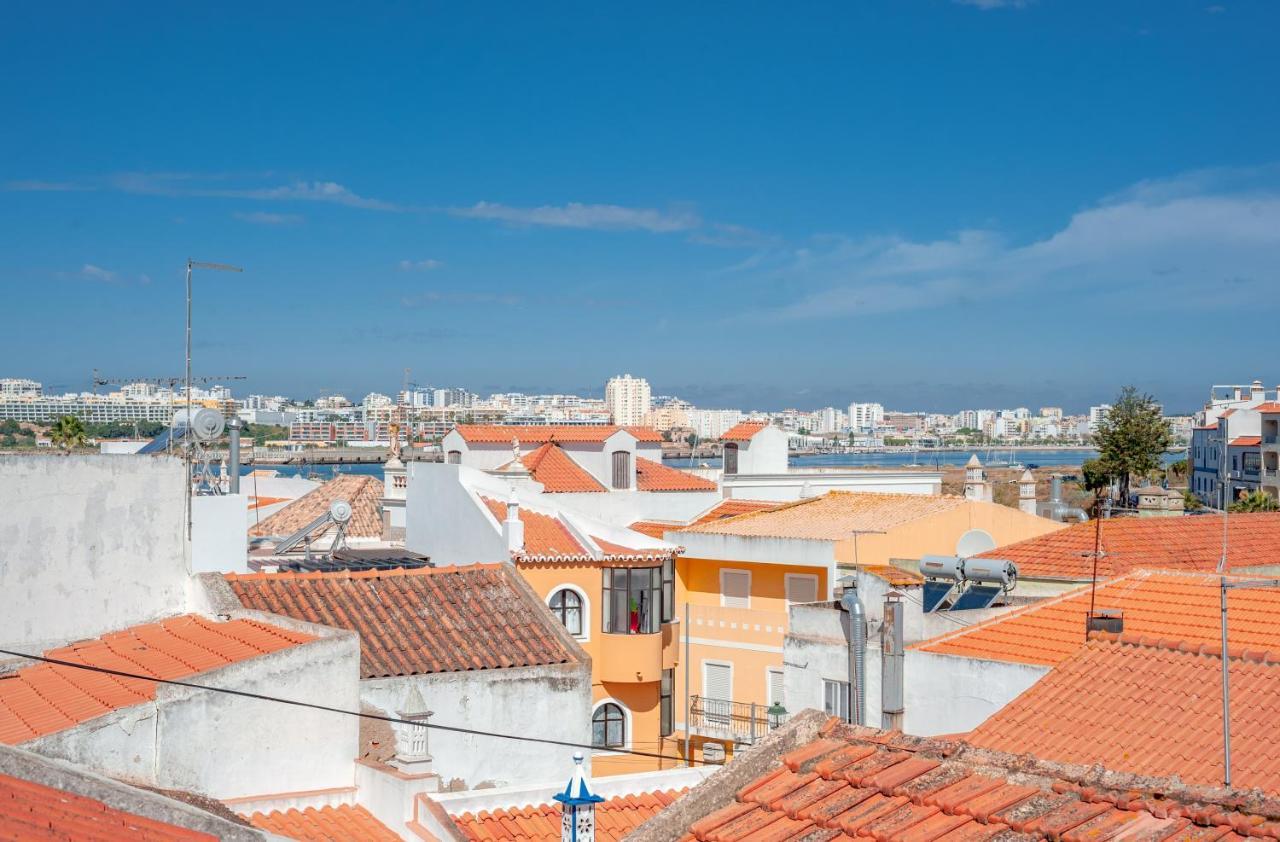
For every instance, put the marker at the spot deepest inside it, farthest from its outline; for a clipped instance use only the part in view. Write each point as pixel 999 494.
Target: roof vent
pixel 1109 620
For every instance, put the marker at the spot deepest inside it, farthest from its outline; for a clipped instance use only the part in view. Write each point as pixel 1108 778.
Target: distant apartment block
pixel 1226 454
pixel 628 399
pixel 12 387
pixel 865 416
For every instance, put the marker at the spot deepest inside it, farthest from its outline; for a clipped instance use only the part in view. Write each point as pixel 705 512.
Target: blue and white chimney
pixel 578 803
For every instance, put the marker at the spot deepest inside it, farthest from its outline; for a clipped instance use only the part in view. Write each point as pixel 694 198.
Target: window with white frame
pixel 735 588
pixel 801 587
pixel 609 726
pixel 566 604
pixel 835 698
pixel 775 686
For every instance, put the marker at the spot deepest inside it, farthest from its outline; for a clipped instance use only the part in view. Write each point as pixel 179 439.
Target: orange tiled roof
pixel 262 502
pixel 733 508
pixel 32 812
pixel 1150 707
pixel 1175 606
pixel 744 430
pixel 833 516
pixel 1245 441
pixel 362 492
pixel 343 823
pixel 895 576
pixel 615 818
pixel 540 434
pixel 544 535
pixel 557 472
pixel 415 622
pixel 1269 407
pixel 655 476
pixel 1167 543
pixel 46 698
pixel 858 783
pixel 654 528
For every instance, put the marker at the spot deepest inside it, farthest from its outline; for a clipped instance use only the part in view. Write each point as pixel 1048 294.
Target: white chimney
pixel 513 527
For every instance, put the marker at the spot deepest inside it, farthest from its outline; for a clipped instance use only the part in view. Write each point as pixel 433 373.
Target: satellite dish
pixel 340 511
pixel 203 425
pixel 973 542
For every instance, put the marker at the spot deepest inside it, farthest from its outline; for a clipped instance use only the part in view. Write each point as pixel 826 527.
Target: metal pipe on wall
pixel 852 605
pixel 233 455
pixel 892 661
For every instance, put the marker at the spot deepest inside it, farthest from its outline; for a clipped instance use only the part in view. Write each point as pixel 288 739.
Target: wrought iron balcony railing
pixel 744 722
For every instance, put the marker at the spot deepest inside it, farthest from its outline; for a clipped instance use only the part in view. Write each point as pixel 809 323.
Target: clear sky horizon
pixel 929 204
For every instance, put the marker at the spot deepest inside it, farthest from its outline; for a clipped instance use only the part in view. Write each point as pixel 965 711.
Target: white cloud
pixel 264 218
pixel 418 265
pixel 987 5
pixel 36 186
pixel 97 273
pixel 578 215
pixel 1158 246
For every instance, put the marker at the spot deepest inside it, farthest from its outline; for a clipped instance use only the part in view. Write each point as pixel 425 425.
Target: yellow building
pixel 739 574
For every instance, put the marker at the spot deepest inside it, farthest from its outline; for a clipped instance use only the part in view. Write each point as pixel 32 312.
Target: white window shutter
pixel 736 587
pixel 802 589
pixel 775 687
pixel 718 680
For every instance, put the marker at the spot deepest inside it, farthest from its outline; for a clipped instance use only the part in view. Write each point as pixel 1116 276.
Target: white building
pixel 865 416
pixel 12 387
pixel 713 423
pixel 628 399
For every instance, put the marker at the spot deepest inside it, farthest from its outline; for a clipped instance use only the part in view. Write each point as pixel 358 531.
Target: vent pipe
pixel 892 656
pixel 233 454
pixel 852 605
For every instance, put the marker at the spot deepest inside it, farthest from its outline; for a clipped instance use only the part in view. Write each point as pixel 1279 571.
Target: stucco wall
pixel 444 522
pixel 764 453
pixel 229 746
pixel 219 542
pixel 88 544
pixel 943 694
pixel 786 486
pixel 549 702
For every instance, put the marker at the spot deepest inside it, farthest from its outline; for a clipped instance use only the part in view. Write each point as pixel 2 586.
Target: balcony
pixel 630 658
pixel 721 719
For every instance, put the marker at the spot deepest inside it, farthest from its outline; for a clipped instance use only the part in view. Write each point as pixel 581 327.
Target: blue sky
pixel 931 204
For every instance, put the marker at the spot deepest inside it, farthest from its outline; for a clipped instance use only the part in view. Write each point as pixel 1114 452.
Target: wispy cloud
pixel 97 273
pixel 428 299
pixel 418 265
pixel 31 186
pixel 732 236
pixel 264 218
pixel 987 5
pixel 1162 244
pixel 578 215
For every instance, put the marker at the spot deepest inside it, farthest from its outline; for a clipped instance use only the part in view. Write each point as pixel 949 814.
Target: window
pixel 667 722
pixel 455 457
pixel 735 589
pixel 775 686
pixel 801 587
pixel 717 692
pixel 668 590
pixel 567 605
pixel 632 600
pixel 730 458
pixel 609 727
pixel 621 469
pixel 835 698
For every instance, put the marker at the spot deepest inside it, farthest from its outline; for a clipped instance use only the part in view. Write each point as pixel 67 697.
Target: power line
pixel 312 705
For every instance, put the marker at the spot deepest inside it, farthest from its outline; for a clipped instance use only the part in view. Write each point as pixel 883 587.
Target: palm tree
pixel 1256 501
pixel 68 432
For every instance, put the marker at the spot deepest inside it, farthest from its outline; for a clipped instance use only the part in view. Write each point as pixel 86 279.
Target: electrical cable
pixel 328 709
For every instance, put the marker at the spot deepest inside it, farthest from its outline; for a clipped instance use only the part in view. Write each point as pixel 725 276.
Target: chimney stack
pixel 1027 493
pixel 513 527
pixel 892 656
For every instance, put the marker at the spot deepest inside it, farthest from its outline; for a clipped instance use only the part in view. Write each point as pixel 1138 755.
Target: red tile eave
pixel 325 824
pixel 32 811
pixel 656 477
pixel 1246 441
pixel 744 431
pixel 1268 408
pixel 615 818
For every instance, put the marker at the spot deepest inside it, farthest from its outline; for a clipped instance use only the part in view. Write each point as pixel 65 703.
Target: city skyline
pixel 773 227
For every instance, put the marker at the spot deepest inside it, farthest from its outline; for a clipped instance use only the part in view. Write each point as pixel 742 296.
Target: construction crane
pixel 157 381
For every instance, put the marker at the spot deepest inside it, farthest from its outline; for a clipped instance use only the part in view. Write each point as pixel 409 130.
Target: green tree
pixel 67 432
pixel 1094 475
pixel 1132 438
pixel 1256 501
pixel 1190 501
pixel 10 427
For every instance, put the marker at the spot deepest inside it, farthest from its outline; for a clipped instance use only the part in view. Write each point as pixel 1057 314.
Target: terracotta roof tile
pixel 1246 441
pixel 540 434
pixel 654 528
pixel 895 576
pixel 615 818
pixel 362 492
pixel 923 790
pixel 557 472
pixel 832 516
pixel 1167 543
pixel 733 508
pixel 744 430
pixel 1160 604
pixel 414 622
pixel 45 698
pixel 544 535
pixel 654 476
pixel 1268 407
pixel 343 823
pixel 1149 707
pixel 32 812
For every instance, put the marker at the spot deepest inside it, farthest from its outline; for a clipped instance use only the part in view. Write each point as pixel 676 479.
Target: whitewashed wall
pixel 787 486
pixel 219 542
pixel 89 544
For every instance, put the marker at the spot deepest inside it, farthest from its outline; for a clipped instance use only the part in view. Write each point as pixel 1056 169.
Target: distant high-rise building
pixel 12 387
pixel 865 416
pixel 627 399
pixel 1051 412
pixel 1096 414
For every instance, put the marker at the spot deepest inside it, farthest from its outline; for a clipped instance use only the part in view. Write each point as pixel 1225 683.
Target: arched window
pixel 621 470
pixel 609 727
pixel 730 458
pixel 567 605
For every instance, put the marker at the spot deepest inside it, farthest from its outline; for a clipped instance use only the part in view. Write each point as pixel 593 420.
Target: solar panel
pixel 934 593
pixel 977 596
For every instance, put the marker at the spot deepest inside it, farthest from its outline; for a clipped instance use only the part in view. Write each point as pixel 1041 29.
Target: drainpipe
pixel 233 454
pixel 852 605
pixel 892 656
